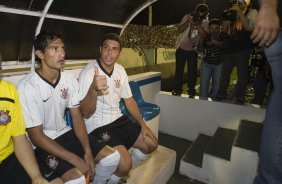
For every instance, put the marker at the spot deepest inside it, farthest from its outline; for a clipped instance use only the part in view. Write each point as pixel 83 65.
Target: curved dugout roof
pixel 83 22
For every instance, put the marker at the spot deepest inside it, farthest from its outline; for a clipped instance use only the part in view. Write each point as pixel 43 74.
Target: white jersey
pixel 107 107
pixel 45 103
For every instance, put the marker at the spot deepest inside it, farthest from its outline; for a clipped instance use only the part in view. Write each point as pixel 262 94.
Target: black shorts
pixel 120 132
pixel 52 167
pixel 11 171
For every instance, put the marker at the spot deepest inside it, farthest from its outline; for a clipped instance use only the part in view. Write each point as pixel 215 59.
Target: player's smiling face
pixel 54 55
pixel 109 53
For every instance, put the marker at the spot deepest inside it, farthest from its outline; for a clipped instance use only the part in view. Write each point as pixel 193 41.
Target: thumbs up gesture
pixel 99 82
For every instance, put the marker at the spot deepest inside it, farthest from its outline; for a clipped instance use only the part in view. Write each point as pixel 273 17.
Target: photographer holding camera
pixel 192 29
pixel 238 24
pixel 213 55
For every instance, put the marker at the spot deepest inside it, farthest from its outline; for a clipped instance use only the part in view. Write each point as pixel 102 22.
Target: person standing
pixel 268 33
pixel 103 83
pixel 46 93
pixel 17 160
pixel 213 51
pixel 192 29
pixel 262 78
pixel 238 49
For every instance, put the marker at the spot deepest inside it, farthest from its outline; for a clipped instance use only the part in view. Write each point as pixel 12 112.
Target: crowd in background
pixel 222 44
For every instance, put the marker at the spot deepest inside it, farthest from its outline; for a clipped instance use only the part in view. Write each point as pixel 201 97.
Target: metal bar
pixel 38 28
pixel 145 5
pixel 59 17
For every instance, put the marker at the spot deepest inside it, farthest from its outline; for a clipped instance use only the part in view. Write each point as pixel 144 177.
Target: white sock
pixel 80 180
pixel 114 179
pixel 106 167
pixel 137 157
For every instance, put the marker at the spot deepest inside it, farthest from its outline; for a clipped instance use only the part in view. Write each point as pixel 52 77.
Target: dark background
pixel 82 40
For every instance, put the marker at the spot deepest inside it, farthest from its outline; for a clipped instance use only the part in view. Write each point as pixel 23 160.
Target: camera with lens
pixel 229 14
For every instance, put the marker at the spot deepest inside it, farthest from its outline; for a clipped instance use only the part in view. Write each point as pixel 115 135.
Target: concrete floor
pixel 180 146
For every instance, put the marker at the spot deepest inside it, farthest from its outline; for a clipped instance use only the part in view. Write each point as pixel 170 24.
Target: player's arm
pixel 81 133
pixel 133 109
pixel 88 104
pixel 25 155
pixel 186 20
pixel 39 139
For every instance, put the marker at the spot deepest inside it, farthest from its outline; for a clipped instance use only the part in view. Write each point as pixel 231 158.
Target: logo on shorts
pixel 105 136
pixel 65 93
pixel 5 118
pixel 117 83
pixel 52 163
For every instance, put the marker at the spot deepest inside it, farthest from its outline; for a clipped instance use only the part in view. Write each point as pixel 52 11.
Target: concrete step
pixel 230 156
pixel 191 162
pixel 194 155
pixel 156 170
pixel 248 136
pixel 216 160
pixel 245 157
pixel 241 168
pixel 237 164
pixel 221 144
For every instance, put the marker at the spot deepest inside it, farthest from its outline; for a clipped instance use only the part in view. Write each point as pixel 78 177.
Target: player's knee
pixel 80 180
pixel 106 167
pixel 71 174
pixel 153 146
pixel 111 160
pixel 149 147
pixel 57 181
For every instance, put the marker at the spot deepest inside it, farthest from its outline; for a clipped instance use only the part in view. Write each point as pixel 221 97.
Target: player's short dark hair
pixel 111 36
pixel 43 38
pixel 215 22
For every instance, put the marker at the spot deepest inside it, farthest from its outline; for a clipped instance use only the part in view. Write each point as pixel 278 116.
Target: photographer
pixel 238 26
pixel 192 29
pixel 213 51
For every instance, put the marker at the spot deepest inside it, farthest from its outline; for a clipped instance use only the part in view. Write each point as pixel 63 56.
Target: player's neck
pixel 107 68
pixel 49 74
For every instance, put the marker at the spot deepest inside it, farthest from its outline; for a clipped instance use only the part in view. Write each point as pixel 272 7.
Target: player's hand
pixel 88 157
pixel 80 164
pixel 100 81
pixel 39 180
pixel 266 26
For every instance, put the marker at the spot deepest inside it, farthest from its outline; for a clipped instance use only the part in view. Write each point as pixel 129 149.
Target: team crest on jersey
pixel 64 93
pixel 117 83
pixel 52 162
pixel 5 118
pixel 105 136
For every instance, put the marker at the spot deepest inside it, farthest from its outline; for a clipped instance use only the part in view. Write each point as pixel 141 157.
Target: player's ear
pixel 39 54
